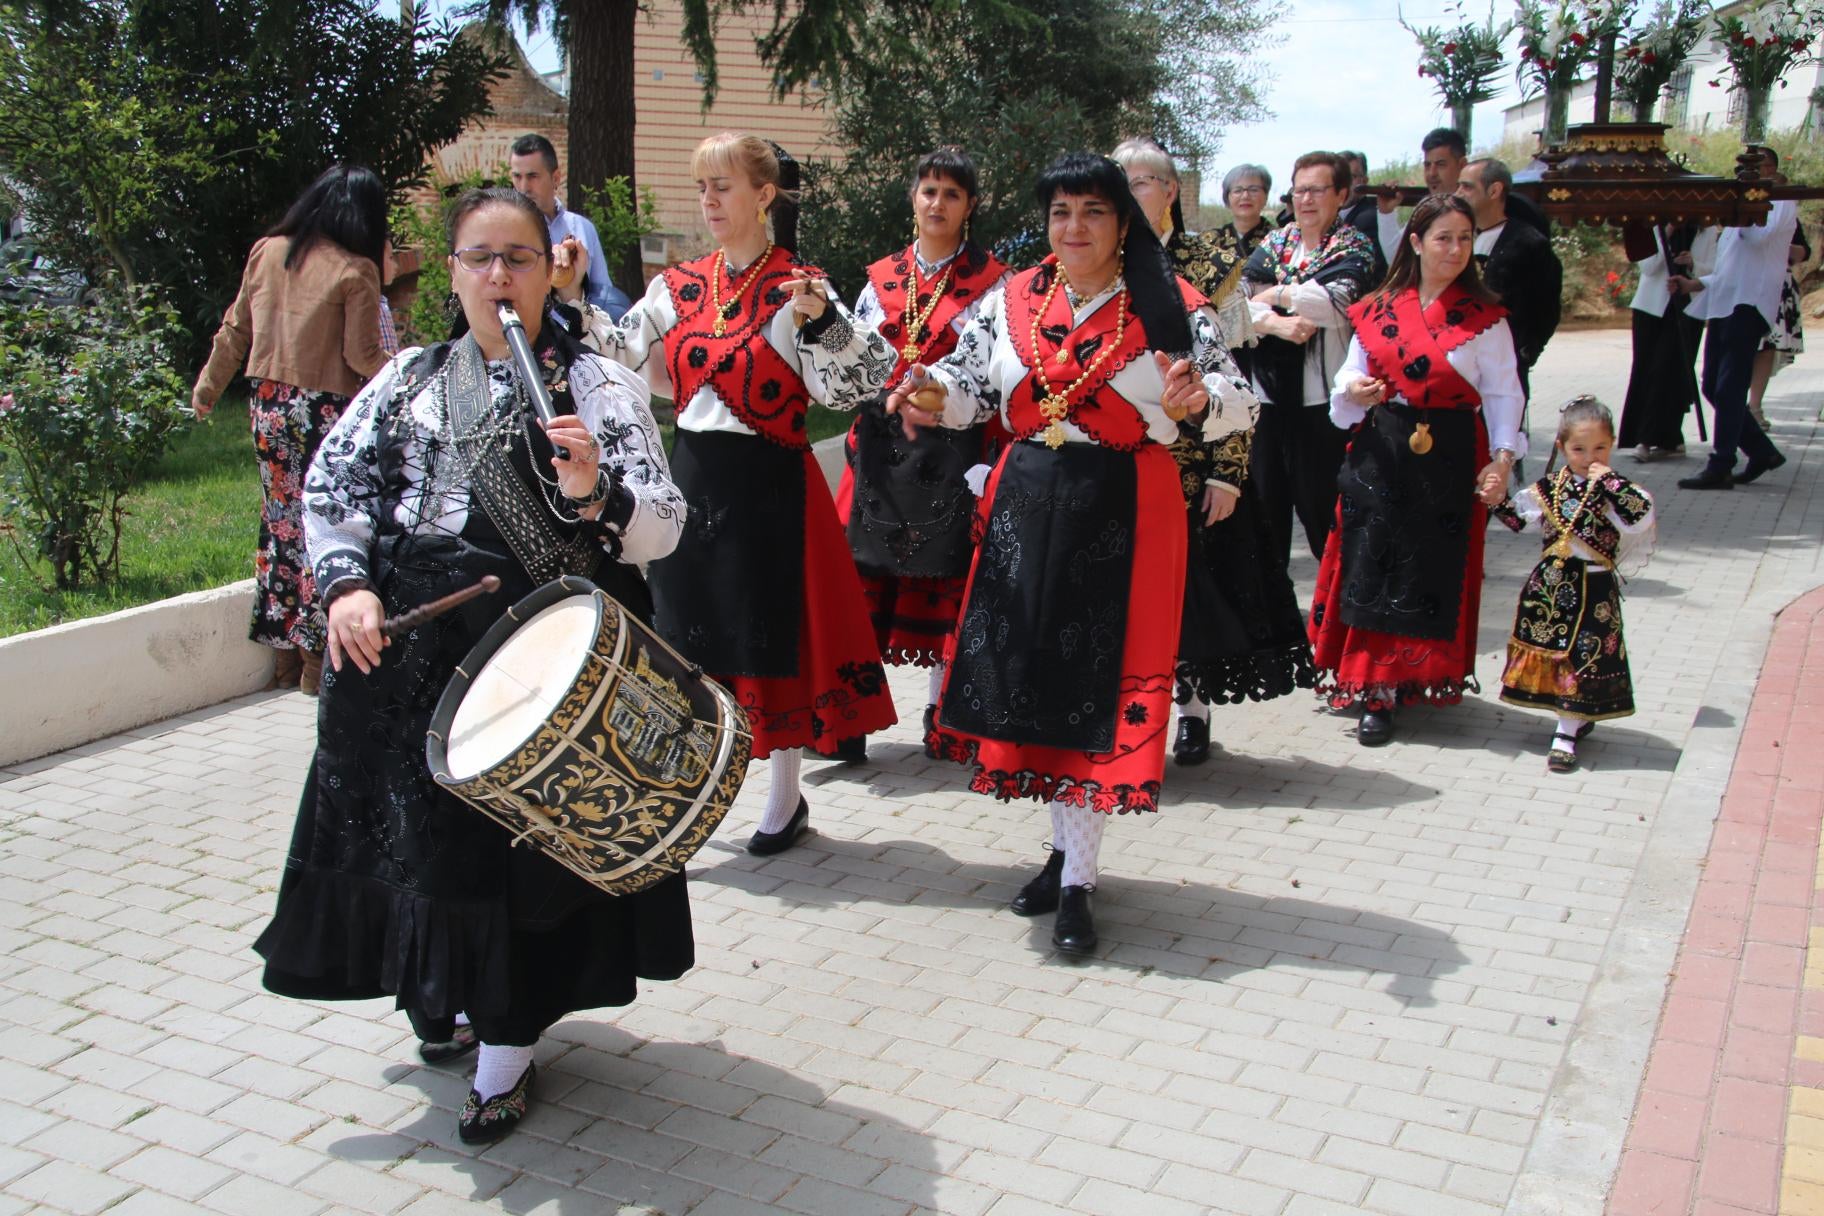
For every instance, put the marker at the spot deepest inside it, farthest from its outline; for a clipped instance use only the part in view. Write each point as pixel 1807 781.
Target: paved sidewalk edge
pixel 1576 1148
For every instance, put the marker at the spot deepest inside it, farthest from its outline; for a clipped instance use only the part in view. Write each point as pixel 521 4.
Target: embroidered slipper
pixel 1561 759
pixel 485 1122
pixel 459 1044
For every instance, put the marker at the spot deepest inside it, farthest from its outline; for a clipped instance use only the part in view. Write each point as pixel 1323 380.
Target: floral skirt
pixel 1787 336
pixel 1566 653
pixel 288 425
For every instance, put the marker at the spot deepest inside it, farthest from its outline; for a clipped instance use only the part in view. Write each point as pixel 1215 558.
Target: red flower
pixel 1613 277
pixel 1421 71
pixel 1799 45
pixel 1577 39
pixel 1649 57
pixel 1450 48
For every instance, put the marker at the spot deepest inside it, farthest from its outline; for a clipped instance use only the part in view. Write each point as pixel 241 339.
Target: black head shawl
pixel 785 206
pixel 1152 281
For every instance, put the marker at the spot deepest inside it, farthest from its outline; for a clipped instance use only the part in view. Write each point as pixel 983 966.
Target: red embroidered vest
pixel 1406 347
pixel 972 273
pixel 1095 408
pixel 740 366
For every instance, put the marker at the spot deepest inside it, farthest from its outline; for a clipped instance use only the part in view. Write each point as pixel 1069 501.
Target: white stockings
pixel 782 798
pixel 1076 831
pixel 498 1069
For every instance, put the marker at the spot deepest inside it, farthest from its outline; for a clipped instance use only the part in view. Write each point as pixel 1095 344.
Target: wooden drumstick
pixel 406 622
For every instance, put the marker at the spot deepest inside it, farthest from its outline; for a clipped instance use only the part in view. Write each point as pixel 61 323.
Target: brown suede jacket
pixel 315 326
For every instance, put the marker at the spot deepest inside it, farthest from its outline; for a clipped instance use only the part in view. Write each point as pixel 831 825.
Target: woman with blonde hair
pixel 761 591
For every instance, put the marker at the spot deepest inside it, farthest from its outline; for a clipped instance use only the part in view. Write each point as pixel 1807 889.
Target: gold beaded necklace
pixel 1055 406
pixel 916 325
pixel 725 311
pixel 1565 522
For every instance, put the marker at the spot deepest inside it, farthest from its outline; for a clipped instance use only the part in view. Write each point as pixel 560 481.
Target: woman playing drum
pixel 436 476
pixel 762 591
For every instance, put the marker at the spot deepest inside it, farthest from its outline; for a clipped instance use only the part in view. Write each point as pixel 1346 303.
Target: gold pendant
pixel 1054 436
pixel 718 327
pixel 1562 546
pixel 909 352
pixel 1420 440
pixel 1054 408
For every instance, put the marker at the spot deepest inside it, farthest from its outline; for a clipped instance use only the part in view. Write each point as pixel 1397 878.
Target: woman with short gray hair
pixel 1245 190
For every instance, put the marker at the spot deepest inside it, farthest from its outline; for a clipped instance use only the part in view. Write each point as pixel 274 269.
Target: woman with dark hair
pixel 437 475
pixel 306 324
pixel 904 499
pixel 1243 632
pixel 762 591
pixel 1060 670
pixel 1429 384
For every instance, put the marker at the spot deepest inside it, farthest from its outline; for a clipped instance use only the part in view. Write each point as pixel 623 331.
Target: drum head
pixel 520 685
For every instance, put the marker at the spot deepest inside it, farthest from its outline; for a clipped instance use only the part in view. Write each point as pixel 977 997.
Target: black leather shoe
pixel 460 1043
pixel 1041 894
pixel 853 750
pixel 765 844
pixel 1376 729
pixel 1074 932
pixel 1193 745
pixel 485 1122
pixel 1710 479
pixel 1755 468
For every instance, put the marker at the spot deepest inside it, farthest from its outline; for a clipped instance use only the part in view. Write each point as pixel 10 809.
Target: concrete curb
pixel 72 683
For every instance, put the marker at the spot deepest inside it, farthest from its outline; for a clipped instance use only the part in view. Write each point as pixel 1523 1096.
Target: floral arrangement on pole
pixel 1656 49
pixel 1557 38
pixel 1760 45
pixel 1462 62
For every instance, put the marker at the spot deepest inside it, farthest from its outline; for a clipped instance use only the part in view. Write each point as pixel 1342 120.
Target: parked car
pixel 29 277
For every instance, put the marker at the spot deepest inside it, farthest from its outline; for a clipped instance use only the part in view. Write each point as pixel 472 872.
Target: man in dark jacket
pixel 1517 263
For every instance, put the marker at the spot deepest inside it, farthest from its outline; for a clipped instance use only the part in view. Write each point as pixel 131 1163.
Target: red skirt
pixel 1384 669
pixel 840 690
pixel 911 616
pixel 1128 776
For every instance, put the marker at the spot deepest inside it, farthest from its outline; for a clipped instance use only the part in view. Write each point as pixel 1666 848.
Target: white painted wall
pixel 66 685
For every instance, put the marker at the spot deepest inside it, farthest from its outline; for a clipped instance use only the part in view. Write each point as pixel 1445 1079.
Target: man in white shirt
pixel 1738 302
pixel 533 165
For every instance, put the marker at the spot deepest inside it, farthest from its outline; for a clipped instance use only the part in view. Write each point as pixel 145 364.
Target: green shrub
pixel 90 400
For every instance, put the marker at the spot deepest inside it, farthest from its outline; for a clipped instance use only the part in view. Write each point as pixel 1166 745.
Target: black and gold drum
pixel 576 728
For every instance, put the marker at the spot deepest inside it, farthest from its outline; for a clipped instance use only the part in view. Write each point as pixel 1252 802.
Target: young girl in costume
pixel 1566 654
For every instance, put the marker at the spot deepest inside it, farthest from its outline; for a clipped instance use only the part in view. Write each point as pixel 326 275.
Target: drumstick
pixel 394 626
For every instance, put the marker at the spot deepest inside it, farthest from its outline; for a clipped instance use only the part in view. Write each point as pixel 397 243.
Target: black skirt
pixel 394 887
pixel 1243 632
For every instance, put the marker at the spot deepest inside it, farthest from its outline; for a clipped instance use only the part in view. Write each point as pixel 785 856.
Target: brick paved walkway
pixel 1417 980
pixel 1731 1114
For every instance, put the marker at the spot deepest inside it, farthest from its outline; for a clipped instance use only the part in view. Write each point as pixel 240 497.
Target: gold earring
pixel 968 220
pixel 762 217
pixel 915 229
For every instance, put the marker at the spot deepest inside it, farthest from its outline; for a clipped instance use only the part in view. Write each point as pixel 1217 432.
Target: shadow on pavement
pixel 622 1119
pixel 1198 930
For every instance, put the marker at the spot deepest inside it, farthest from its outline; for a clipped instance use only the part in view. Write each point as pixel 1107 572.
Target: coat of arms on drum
pixel 652 728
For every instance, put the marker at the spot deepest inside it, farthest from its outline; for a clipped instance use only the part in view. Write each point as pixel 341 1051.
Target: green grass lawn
pixel 193 525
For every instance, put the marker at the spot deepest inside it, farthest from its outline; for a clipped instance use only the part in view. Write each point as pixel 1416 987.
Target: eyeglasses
pixel 480 259
pixel 1145 179
pixel 1312 191
pixel 1247 189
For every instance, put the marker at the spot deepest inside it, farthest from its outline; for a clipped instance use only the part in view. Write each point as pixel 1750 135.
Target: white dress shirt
pixel 1750 268
pixel 1486 361
pixel 1654 294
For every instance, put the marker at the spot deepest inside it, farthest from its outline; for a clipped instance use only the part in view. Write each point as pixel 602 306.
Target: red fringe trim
pixel 1044 787
pixel 1341 695
pixel 922 656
